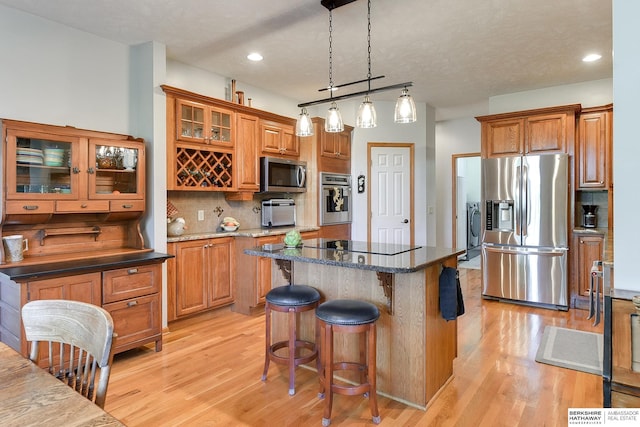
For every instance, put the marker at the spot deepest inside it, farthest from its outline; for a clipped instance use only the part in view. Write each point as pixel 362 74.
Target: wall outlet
pixel 200 215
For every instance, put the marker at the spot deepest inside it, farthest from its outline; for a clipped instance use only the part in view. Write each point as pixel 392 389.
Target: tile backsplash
pixel 215 208
pixel 598 198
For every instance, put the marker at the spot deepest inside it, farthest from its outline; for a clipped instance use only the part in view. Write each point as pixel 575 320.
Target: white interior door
pixel 391 214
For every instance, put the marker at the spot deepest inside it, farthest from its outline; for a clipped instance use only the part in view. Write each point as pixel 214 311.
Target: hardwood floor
pixel 208 374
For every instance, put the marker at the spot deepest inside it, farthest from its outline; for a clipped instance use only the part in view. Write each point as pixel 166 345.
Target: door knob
pixel 406 221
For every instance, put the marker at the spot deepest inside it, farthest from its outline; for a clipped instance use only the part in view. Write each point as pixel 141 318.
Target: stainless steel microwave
pixel 282 175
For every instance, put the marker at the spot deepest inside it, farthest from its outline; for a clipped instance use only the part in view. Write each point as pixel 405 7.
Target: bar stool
pixel 290 299
pixel 347 316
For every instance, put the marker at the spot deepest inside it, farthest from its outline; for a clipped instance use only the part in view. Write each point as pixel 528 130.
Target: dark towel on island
pixel 451 303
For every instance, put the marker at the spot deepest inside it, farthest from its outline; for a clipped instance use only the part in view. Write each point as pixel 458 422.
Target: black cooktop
pixel 361 247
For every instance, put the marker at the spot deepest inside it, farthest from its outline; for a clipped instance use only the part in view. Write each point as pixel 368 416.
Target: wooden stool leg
pixel 371 356
pixel 328 374
pixel 321 333
pixel 292 350
pixel 267 315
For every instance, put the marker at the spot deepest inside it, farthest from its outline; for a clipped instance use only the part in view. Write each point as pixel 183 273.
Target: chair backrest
pixel 80 338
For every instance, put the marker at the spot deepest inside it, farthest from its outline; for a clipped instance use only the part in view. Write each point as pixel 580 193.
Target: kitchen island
pixel 415 345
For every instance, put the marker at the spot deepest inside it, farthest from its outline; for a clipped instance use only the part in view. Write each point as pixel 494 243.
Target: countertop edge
pixel 281 254
pixel 249 232
pixel 35 271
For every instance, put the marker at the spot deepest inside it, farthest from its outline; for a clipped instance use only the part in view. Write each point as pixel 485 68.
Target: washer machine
pixel 473 225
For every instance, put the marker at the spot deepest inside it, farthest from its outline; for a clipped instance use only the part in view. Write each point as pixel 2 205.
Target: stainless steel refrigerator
pixel 525 231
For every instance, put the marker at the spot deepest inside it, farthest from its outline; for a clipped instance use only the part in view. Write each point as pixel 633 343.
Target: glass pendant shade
pixel 333 123
pixel 304 125
pixel 366 114
pixel 405 108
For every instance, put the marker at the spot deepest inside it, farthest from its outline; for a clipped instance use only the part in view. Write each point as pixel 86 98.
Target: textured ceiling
pixel 457 52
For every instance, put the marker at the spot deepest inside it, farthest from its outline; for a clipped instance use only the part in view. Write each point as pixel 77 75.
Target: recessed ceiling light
pixel 591 57
pixel 254 56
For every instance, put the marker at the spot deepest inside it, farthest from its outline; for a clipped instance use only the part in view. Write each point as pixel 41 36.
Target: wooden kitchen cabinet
pixel 590 248
pixel 248 166
pixel 278 139
pixel 132 296
pixel 542 131
pixel 593 148
pixel 333 152
pixel 58 170
pixel 204 124
pixel 204 276
pixel 215 145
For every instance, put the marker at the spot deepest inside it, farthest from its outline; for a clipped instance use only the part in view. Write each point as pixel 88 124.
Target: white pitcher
pixel 14 247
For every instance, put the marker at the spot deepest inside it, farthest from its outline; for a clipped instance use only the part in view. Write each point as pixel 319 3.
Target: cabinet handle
pixel 75 170
pixel 30 207
pixel 90 171
pixel 83 206
pixel 132 303
pixel 132 270
pixel 127 206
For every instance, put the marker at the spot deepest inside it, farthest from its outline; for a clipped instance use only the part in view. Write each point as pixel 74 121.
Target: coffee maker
pixel 589 218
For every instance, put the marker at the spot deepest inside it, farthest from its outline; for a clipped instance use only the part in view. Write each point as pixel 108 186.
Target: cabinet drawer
pixel 80 206
pixel 135 320
pixel 29 207
pixel 118 285
pixel 126 205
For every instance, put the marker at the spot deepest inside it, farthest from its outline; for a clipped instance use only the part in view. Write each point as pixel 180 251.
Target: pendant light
pixel 333 123
pixel 405 111
pixel 304 125
pixel 366 117
pixel 405 108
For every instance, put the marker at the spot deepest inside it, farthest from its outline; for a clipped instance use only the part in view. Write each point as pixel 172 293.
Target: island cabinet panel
pixel 415 345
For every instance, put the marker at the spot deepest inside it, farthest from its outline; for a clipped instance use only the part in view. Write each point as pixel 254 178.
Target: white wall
pixel 588 94
pixel 459 136
pixel 626 149
pixel 57 75
pixel 213 85
pixel 421 134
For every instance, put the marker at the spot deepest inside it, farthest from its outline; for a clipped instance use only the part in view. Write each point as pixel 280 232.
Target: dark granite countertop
pixel 78 266
pixel 388 260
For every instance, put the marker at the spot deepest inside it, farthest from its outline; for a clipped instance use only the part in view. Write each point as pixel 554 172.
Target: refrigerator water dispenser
pixel 500 215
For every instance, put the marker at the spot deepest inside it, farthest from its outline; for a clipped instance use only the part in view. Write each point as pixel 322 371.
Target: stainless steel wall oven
pixel 335 198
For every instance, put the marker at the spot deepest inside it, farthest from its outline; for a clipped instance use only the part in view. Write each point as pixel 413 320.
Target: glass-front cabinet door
pixel 116 170
pixel 204 124
pixel 40 166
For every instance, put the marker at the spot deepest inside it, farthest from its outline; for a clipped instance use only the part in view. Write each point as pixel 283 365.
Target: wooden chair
pixel 80 343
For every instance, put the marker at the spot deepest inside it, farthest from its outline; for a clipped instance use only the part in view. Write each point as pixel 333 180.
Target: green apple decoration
pixel 293 239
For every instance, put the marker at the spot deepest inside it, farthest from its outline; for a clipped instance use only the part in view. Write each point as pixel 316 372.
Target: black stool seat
pixel 347 312
pixel 293 295
pixel 293 300
pixel 346 316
